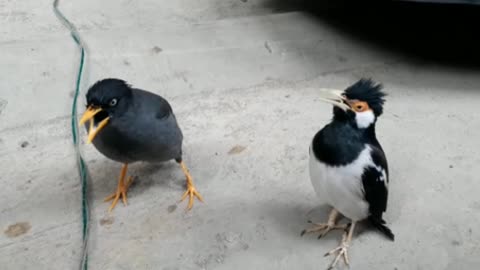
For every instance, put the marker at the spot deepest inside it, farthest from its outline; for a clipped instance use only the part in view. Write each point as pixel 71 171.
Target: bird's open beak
pixel 334 97
pixel 92 129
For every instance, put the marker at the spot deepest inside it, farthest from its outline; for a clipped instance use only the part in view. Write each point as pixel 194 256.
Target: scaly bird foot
pixel 122 189
pixel 191 193
pixel 323 228
pixel 341 253
pixel 342 249
pixel 191 190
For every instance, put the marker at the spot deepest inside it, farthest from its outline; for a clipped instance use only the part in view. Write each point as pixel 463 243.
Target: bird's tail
pixel 379 224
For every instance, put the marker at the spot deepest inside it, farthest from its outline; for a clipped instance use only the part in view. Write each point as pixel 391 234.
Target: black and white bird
pixel 348 167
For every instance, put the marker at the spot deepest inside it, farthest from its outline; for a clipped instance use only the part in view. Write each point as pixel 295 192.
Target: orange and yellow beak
pixel 92 129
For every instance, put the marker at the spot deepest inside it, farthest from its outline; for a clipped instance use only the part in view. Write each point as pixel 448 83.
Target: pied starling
pixel 129 125
pixel 348 168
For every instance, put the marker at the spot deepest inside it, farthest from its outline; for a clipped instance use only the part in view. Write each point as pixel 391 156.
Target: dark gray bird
pixel 348 167
pixel 129 125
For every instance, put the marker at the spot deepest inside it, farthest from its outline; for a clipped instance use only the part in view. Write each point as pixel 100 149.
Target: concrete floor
pixel 239 74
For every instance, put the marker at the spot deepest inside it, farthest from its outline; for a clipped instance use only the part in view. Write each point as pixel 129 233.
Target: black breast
pixel 338 144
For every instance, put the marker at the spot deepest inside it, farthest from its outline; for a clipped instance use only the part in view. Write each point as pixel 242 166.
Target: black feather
pixel 104 90
pixel 368 91
pixel 379 224
pixel 376 190
pixel 338 144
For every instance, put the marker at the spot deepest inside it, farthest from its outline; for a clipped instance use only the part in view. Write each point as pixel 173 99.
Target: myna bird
pixel 129 125
pixel 348 167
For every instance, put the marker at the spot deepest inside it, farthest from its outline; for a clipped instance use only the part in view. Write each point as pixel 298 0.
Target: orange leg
pixel 191 190
pixel 121 189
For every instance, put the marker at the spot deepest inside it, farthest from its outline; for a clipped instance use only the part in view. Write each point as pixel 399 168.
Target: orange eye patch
pixel 358 106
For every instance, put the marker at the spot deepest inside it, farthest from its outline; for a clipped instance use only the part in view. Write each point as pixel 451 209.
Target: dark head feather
pixel 368 91
pixel 104 90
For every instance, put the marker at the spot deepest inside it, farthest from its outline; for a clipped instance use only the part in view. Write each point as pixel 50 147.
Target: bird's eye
pixel 359 106
pixel 113 102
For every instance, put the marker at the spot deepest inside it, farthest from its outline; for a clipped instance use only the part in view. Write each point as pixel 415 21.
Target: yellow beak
pixel 88 116
pixel 334 97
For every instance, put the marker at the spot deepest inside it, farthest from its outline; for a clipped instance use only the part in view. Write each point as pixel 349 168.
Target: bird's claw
pixel 322 228
pixel 191 193
pixel 342 253
pixel 121 192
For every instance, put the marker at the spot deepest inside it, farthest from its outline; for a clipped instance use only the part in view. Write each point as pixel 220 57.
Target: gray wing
pixel 157 135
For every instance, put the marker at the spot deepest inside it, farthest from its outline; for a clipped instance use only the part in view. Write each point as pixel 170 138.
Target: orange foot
pixel 191 192
pixel 122 189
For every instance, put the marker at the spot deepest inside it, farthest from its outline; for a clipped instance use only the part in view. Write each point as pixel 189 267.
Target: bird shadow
pixel 104 175
pixel 292 218
pixel 298 217
pixel 163 174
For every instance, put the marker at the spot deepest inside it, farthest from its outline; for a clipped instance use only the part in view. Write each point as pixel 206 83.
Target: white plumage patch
pixel 364 119
pixel 341 186
pixel 383 178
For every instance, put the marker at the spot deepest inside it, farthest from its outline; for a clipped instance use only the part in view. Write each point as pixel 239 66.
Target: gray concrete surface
pixel 237 73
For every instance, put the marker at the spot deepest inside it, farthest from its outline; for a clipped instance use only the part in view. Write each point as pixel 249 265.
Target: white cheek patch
pixel 364 119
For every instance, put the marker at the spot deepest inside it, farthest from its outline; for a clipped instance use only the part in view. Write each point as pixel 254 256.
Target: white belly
pixel 341 187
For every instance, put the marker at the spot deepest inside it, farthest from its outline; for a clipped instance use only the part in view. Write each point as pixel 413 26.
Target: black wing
pixel 375 186
pixel 151 103
pixel 375 183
